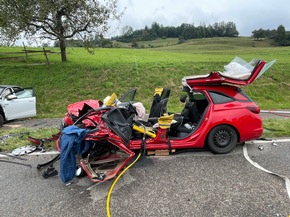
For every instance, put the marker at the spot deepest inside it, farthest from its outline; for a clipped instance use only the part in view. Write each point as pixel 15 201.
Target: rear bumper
pixel 254 134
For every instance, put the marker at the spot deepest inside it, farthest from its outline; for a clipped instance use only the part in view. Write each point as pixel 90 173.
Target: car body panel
pixel 222 78
pixel 17 102
pixel 77 107
pixel 236 113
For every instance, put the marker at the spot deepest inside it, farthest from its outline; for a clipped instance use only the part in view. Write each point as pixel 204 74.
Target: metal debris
pixel 49 172
pixel 4 138
pixel 261 147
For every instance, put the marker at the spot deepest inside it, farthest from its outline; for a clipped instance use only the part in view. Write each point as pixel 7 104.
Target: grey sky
pixel 248 15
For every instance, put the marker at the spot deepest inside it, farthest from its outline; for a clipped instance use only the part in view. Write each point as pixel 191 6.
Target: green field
pixel 87 76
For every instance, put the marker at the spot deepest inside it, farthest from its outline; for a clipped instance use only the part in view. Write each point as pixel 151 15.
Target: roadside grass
pixel 275 128
pixel 18 137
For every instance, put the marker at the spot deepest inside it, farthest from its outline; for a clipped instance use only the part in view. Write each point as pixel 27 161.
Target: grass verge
pixel 14 138
pixel 275 128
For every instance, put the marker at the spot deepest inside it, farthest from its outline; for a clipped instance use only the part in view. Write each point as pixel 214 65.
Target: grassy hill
pixel 161 64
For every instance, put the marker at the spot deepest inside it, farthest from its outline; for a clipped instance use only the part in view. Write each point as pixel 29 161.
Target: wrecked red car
pixel 217 115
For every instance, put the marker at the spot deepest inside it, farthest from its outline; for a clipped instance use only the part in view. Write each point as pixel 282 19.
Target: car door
pixel 20 103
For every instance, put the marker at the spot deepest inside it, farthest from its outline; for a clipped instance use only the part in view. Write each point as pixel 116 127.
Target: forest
pixel 190 31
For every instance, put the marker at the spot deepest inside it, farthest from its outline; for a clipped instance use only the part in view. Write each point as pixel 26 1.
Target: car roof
pixel 6 85
pixel 219 78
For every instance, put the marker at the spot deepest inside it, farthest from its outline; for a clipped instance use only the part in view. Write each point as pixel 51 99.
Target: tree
pixel 258 34
pixel 57 19
pixel 155 29
pixel 231 30
pixel 281 37
pixel 127 33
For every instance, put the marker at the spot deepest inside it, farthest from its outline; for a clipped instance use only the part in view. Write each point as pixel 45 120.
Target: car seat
pixel 187 120
pixel 158 108
pixel 159 105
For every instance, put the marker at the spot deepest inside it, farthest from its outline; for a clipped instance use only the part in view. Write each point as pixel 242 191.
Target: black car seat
pixel 190 113
pixel 187 120
pixel 158 108
pixel 159 105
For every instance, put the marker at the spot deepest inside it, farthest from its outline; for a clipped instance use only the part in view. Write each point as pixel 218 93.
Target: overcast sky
pixel 248 15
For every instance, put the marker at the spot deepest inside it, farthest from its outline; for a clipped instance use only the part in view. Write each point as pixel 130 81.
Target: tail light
pixel 68 120
pixel 254 109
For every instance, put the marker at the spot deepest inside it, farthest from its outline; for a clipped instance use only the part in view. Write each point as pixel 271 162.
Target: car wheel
pixel 222 139
pixel 1 120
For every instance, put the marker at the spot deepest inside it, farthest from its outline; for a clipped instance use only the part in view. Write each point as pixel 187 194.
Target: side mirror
pixel 11 96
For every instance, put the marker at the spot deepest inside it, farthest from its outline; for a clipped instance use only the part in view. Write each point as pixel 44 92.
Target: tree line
pixel 183 32
pixel 280 35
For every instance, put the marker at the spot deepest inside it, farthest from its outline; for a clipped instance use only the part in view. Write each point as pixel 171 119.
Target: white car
pixel 16 102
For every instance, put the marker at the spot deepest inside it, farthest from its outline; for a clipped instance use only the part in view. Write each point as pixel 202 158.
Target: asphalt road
pixel 187 184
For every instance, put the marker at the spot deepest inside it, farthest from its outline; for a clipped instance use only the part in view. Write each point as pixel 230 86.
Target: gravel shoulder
pixel 33 123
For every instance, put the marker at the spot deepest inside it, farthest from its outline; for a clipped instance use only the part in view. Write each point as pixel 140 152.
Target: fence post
pixel 25 51
pixel 44 51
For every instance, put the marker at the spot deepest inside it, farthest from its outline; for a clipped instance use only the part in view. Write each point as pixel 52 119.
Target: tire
pixel 222 139
pixel 1 120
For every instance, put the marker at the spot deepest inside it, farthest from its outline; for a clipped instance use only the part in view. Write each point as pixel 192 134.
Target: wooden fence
pixel 25 53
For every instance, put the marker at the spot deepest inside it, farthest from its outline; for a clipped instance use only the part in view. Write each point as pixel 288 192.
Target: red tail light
pixel 68 120
pixel 254 109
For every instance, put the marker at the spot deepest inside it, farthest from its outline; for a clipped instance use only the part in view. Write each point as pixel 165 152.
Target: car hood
pixel 235 74
pixel 81 107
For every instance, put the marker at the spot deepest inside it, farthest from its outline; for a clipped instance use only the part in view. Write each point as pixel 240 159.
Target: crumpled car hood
pixel 76 108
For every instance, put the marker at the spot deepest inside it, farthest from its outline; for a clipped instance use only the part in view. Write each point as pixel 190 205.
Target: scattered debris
pixel 49 172
pixel 24 150
pixel 5 137
pixel 41 142
pixel 13 162
pixel 6 155
pixel 261 147
pixel 12 156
